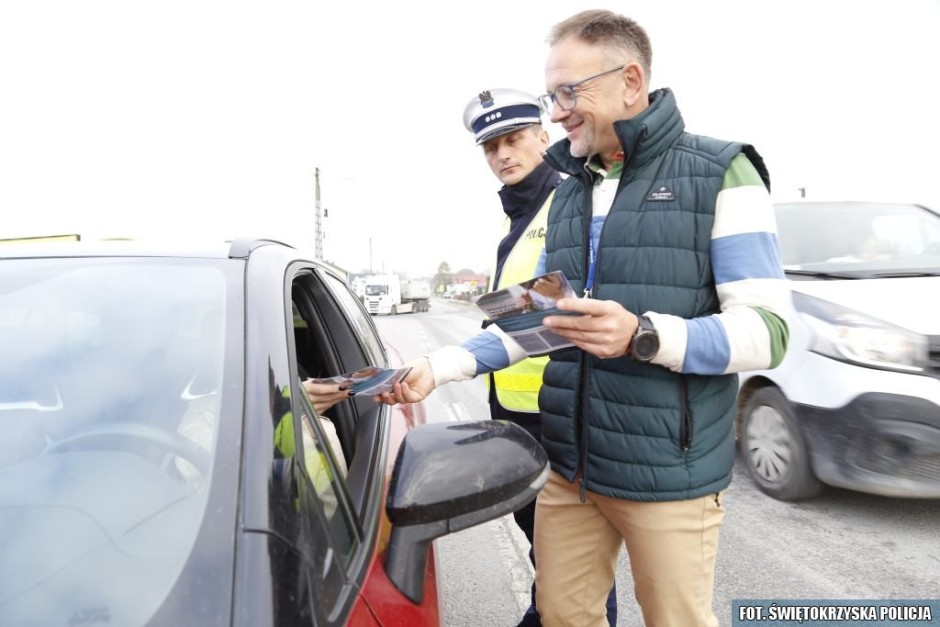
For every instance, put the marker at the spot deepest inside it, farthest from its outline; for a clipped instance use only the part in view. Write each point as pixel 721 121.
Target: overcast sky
pixel 189 119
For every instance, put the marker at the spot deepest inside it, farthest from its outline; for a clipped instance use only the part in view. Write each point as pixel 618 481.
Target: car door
pixel 336 335
pixel 312 540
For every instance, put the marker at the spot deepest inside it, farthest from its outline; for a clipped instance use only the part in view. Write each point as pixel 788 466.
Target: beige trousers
pixel 672 547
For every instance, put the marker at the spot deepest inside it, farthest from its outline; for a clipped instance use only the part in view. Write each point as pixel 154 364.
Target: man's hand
pixel 605 329
pixel 414 387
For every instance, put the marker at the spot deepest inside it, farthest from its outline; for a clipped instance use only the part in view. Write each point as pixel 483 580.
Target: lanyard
pixel 592 266
pixel 592 253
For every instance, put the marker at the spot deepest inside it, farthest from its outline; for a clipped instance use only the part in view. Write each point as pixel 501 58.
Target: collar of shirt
pixel 595 166
pixel 606 183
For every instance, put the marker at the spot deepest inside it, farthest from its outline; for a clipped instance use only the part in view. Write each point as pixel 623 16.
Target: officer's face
pixel 514 155
pixel 600 101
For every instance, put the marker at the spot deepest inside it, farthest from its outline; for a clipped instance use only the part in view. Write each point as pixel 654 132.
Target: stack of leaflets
pixel 519 310
pixel 369 380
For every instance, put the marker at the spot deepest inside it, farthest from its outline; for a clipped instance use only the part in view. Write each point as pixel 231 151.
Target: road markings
pixel 456 412
pixel 514 551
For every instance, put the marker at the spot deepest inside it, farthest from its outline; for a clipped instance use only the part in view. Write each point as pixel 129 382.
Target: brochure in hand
pixel 519 310
pixel 369 380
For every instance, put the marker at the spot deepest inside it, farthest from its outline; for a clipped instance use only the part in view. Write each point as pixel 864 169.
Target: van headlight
pixel 849 335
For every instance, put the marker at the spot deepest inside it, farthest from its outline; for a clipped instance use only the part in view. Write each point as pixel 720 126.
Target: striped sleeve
pixel 750 332
pixel 488 351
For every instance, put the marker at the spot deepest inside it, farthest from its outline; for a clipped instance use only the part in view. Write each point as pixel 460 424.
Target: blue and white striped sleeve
pixel 750 332
pixel 487 351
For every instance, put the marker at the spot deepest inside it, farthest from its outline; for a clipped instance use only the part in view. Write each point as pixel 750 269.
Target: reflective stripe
pixel 517 387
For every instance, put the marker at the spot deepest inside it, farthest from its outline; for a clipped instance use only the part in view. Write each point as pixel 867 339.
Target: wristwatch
pixel 645 342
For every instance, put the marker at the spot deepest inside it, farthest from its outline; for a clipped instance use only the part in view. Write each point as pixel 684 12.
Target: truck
pixel 391 294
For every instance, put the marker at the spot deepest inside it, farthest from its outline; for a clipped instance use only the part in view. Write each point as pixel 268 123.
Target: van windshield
pixel 866 239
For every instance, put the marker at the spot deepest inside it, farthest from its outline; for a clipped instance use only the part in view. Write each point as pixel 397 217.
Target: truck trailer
pixel 390 294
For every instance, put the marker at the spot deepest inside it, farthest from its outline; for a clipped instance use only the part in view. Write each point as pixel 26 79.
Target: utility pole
pixel 318 233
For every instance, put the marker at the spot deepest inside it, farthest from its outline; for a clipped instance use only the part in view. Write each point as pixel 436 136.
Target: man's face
pixel 514 155
pixel 600 102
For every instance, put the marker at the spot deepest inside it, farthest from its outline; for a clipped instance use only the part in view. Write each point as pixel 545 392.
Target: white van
pixel 856 402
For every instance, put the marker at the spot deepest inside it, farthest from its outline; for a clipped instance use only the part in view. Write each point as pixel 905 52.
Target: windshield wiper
pixel 905 273
pixel 826 275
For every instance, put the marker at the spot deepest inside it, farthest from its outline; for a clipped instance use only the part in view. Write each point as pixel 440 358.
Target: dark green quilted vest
pixel 640 431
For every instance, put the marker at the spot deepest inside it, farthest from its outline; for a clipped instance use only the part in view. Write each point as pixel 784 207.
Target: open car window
pixel 333 335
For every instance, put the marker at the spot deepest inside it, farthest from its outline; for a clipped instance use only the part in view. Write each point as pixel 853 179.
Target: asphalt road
pixel 841 545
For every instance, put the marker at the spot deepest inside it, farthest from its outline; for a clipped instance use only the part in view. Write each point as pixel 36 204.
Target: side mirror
pixel 452 476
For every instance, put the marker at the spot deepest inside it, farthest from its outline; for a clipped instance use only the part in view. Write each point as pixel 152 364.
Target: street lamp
pixel 318 222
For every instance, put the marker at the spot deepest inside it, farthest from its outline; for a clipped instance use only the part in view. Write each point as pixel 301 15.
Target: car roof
pixel 849 203
pixel 215 249
pixel 239 248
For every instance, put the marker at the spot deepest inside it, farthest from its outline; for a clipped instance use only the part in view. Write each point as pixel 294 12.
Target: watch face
pixel 645 346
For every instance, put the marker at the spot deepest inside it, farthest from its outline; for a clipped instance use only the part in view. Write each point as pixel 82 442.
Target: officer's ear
pixel 542 134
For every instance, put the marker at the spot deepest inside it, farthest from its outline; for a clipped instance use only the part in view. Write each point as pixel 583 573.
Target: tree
pixel 443 278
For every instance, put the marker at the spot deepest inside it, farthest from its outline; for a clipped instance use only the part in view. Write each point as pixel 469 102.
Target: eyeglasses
pixel 566 96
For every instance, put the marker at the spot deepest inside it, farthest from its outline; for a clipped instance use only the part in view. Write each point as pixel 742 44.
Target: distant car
pixel 856 402
pixel 160 463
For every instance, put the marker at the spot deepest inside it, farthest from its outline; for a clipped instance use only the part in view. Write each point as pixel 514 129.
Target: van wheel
pixel 774 449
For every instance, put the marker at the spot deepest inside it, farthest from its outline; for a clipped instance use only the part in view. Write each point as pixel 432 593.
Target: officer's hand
pixel 414 387
pixel 605 329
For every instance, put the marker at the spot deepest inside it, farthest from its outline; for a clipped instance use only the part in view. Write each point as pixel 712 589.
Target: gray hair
pixel 611 30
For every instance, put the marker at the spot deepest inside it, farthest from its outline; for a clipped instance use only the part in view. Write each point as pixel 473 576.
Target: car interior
pixel 325 345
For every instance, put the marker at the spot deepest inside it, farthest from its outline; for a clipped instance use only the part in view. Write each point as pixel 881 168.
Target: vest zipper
pixel 586 217
pixel 685 425
pixel 586 220
pixel 582 389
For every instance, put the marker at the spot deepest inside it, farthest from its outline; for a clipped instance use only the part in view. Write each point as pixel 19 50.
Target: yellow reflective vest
pixel 517 387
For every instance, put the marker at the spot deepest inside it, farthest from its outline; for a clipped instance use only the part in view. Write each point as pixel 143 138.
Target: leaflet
pixel 369 380
pixel 519 310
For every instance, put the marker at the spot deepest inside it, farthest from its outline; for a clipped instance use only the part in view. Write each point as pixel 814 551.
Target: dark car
pixel 856 401
pixel 160 463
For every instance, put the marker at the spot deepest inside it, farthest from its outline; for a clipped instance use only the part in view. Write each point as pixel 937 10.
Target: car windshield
pixel 109 395
pixel 866 239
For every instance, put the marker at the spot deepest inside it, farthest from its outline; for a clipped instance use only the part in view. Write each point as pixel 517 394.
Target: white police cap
pixel 499 111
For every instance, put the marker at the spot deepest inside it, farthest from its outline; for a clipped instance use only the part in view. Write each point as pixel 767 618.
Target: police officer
pixel 507 123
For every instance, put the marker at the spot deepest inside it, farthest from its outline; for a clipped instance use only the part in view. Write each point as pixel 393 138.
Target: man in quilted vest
pixel 672 240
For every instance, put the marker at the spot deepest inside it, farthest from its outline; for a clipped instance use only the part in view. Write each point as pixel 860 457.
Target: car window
pixel 331 535
pixel 335 526
pixel 310 511
pixel 343 333
pixel 327 477
pixel 354 310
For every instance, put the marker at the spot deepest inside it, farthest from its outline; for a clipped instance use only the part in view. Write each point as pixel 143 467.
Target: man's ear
pixel 543 137
pixel 634 80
